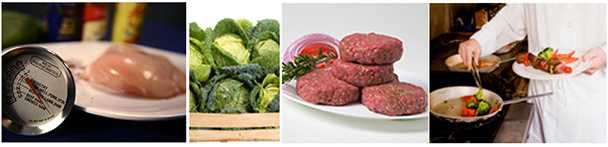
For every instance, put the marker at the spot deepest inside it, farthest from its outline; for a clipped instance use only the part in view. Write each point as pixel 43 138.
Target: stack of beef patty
pixel 364 70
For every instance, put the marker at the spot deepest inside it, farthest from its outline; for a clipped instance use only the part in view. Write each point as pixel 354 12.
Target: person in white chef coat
pixel 576 112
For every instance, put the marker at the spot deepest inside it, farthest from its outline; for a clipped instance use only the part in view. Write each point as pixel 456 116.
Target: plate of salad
pixel 549 64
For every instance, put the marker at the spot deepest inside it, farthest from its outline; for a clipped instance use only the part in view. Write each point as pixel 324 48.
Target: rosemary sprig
pixel 302 65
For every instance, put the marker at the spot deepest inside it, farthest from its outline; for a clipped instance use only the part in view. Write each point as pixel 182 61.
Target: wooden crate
pixel 204 127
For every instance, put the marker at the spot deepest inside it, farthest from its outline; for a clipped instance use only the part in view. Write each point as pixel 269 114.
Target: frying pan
pixel 455 63
pixel 439 96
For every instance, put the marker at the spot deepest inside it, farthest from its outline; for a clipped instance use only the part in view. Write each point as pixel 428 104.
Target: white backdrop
pixel 207 14
pixel 408 22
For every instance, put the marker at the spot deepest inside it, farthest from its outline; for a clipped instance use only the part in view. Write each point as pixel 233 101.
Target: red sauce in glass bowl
pixel 314 49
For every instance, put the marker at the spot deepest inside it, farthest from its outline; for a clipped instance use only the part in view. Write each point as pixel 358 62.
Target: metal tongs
pixel 476 71
pixel 476 76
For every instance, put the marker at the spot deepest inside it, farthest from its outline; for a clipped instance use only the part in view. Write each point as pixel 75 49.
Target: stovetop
pixel 503 81
pixel 446 132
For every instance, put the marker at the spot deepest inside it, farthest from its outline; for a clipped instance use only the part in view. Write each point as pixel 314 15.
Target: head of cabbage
pixel 265 44
pixel 228 96
pixel 199 68
pixel 264 97
pixel 229 42
pixel 232 45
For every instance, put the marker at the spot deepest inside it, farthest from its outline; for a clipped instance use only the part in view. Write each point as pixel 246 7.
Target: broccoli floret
pixel 483 108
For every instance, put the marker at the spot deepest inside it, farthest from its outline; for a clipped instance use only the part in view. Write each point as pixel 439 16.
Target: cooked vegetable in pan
pixel 475 105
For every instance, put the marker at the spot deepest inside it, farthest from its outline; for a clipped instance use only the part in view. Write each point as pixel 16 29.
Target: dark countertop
pixel 80 126
pixel 514 128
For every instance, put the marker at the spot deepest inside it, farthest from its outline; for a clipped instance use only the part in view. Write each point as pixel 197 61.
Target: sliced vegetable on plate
pixel 307 53
pixel 310 45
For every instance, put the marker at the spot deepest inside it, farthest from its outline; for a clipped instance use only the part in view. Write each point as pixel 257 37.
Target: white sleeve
pixel 507 26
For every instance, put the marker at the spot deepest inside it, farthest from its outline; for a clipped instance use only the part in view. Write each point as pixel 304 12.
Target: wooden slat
pixel 240 135
pixel 247 120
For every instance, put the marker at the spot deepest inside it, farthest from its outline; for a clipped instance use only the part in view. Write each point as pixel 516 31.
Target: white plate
pixel 288 91
pixel 532 73
pixel 100 103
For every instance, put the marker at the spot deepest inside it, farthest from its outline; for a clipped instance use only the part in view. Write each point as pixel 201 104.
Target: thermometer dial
pixel 37 90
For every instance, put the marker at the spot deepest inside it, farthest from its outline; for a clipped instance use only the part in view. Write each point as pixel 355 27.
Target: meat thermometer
pixel 37 90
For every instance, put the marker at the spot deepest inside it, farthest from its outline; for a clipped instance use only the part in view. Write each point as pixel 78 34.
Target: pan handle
pixel 512 101
pixel 505 61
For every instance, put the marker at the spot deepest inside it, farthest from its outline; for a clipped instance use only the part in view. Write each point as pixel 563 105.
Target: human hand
pixel 469 52
pixel 597 57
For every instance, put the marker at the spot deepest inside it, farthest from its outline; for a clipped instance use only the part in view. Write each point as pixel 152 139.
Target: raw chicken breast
pixel 125 69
